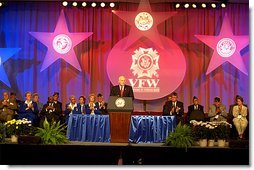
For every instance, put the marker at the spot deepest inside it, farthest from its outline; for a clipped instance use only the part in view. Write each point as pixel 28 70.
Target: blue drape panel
pixel 88 128
pixel 149 129
pixel 143 129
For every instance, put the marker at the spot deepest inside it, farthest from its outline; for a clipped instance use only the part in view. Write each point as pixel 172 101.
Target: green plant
pixel 222 131
pixel 181 137
pixel 19 127
pixel 52 133
pixel 200 131
pixel 2 132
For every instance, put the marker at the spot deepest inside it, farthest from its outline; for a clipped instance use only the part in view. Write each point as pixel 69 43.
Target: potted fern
pixel 52 133
pixel 181 137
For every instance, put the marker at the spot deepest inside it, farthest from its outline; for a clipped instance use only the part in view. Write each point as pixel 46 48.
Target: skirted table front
pixel 96 128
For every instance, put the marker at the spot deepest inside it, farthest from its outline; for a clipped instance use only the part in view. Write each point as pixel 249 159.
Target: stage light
pixel 186 5
pixel 65 3
pixel 223 5
pixel 203 5
pixel 1 4
pixel 83 4
pixel 177 5
pixel 102 4
pixel 213 5
pixel 194 6
pixel 74 4
pixel 93 4
pixel 112 4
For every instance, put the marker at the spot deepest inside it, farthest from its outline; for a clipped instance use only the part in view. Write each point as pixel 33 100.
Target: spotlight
pixel 93 4
pixel 83 4
pixel 194 6
pixel 213 5
pixel 186 5
pixel 74 4
pixel 102 4
pixel 203 5
pixel 223 5
pixel 112 4
pixel 65 3
pixel 177 5
pixel 1 4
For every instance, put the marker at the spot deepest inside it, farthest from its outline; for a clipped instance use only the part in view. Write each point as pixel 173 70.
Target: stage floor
pixel 95 153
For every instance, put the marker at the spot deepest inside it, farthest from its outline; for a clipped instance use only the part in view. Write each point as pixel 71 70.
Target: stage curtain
pixel 17 19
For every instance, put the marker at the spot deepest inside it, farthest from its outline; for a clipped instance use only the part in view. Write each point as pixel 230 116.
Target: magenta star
pixel 226 47
pixel 144 23
pixel 60 43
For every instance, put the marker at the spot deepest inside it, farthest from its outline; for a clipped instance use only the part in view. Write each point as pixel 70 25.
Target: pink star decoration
pixel 144 22
pixel 60 43
pixel 226 47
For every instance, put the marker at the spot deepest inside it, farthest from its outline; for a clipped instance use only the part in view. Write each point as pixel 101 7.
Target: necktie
pixel 81 109
pixel 122 89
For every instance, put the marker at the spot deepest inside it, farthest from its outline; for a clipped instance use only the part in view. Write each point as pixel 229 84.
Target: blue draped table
pixel 143 129
pixel 88 128
pixel 151 129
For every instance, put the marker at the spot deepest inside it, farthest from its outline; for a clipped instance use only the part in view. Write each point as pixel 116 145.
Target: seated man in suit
pixel 122 90
pixel 7 108
pixel 195 111
pixel 92 107
pixel 81 108
pixel 59 105
pixel 69 107
pixel 217 111
pixel 174 108
pixel 28 109
pixel 50 111
pixel 102 104
pixel 36 100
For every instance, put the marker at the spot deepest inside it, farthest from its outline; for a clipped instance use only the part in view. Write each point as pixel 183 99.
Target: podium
pixel 120 109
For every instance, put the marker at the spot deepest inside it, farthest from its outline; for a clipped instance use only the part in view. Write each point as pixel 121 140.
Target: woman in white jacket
pixel 240 116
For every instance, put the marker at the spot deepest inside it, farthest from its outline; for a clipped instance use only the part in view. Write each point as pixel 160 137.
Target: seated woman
pixel 28 109
pixel 240 113
pixel 92 107
pixel 81 107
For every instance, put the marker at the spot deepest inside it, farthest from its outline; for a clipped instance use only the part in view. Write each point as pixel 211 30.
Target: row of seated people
pixel 36 112
pixel 237 115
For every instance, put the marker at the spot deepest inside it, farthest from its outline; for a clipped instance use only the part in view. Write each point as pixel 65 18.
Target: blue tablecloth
pixel 88 128
pixel 150 129
pixel 96 128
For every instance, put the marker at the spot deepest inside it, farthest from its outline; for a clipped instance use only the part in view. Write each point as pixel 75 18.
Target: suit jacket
pixel 128 91
pixel 103 109
pixel 243 113
pixel 50 113
pixel 77 110
pixel 168 106
pixel 96 109
pixel 10 109
pixel 59 105
pixel 30 114
pixel 67 111
pixel 191 109
pixel 222 116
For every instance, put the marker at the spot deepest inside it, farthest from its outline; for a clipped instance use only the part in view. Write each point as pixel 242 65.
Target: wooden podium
pixel 120 109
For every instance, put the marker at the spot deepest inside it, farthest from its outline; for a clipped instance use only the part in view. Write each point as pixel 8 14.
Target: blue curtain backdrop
pixel 23 69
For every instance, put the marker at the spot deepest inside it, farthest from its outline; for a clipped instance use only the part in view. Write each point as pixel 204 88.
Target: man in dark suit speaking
pixel 122 90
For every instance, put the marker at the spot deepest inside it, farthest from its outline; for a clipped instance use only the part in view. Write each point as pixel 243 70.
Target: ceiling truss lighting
pixel 203 5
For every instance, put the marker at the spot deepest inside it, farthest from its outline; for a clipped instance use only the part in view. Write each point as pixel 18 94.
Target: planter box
pixel 29 140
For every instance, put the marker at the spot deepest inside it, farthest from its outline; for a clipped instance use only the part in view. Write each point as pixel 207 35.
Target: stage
pixel 95 153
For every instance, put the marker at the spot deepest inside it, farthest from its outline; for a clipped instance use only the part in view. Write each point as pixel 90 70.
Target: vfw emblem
pixel 145 64
pixel 144 21
pixel 62 44
pixel 226 47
